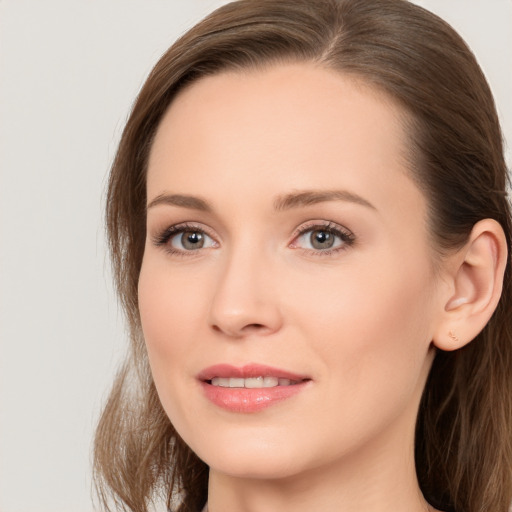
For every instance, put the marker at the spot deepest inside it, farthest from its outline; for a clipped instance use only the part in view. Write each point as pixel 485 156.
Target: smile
pixel 250 388
pixel 252 382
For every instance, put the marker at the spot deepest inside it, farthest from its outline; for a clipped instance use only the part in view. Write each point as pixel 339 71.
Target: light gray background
pixel 69 71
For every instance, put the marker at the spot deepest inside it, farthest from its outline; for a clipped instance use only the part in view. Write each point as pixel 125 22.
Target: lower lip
pixel 249 399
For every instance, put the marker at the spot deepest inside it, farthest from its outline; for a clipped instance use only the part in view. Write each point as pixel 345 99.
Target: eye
pixel 190 240
pixel 184 238
pixel 323 238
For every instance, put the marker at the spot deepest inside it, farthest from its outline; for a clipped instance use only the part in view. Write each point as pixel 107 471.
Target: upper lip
pixel 247 371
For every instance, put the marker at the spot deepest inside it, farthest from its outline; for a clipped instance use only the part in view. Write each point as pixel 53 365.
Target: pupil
pixel 192 240
pixel 322 239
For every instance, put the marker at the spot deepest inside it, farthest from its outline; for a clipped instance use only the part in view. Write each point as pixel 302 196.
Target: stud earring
pixel 453 337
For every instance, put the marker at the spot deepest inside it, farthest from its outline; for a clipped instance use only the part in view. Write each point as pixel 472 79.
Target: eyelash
pixel 162 240
pixel 346 236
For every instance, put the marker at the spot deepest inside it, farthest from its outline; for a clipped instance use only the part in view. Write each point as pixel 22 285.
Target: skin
pixel 358 321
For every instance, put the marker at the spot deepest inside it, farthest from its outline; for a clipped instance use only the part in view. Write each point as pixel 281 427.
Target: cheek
pixel 170 304
pixel 368 333
pixel 172 308
pixel 372 326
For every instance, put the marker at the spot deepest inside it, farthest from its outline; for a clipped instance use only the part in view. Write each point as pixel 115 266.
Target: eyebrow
pixel 286 202
pixel 311 197
pixel 182 200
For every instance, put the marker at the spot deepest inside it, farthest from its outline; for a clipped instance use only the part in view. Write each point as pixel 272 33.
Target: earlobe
pixel 476 282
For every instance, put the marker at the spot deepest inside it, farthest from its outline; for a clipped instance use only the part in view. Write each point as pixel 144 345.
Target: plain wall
pixel 69 71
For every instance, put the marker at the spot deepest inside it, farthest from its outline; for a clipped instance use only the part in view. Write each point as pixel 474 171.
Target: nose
pixel 245 300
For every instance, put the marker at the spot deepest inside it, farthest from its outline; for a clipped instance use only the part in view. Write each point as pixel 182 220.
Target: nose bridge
pixel 244 300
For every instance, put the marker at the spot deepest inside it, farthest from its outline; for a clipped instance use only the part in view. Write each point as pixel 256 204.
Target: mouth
pixel 249 376
pixel 252 382
pixel 249 388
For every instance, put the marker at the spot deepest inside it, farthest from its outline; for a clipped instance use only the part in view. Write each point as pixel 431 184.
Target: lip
pixel 247 371
pixel 249 400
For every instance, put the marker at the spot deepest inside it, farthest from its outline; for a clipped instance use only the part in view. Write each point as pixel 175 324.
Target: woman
pixel 310 233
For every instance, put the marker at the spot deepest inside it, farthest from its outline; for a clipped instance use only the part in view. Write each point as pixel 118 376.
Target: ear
pixel 475 282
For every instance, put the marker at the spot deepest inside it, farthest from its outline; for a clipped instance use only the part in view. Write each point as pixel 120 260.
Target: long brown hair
pixel 464 426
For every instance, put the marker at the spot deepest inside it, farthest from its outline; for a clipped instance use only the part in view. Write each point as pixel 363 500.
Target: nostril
pixel 245 330
pixel 254 327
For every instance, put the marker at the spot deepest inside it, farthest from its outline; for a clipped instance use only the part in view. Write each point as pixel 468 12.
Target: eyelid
pixel 162 237
pixel 345 234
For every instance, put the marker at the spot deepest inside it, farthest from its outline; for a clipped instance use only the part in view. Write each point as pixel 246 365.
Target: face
pixel 287 292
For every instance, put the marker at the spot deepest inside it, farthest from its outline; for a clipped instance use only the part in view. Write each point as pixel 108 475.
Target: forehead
pixel 295 126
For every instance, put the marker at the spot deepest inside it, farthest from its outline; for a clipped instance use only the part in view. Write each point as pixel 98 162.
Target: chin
pixel 262 466
pixel 250 453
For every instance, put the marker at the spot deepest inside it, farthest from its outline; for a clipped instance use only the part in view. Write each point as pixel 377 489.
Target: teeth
pixel 254 382
pixel 221 381
pixel 270 382
pixel 235 382
pixel 251 382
